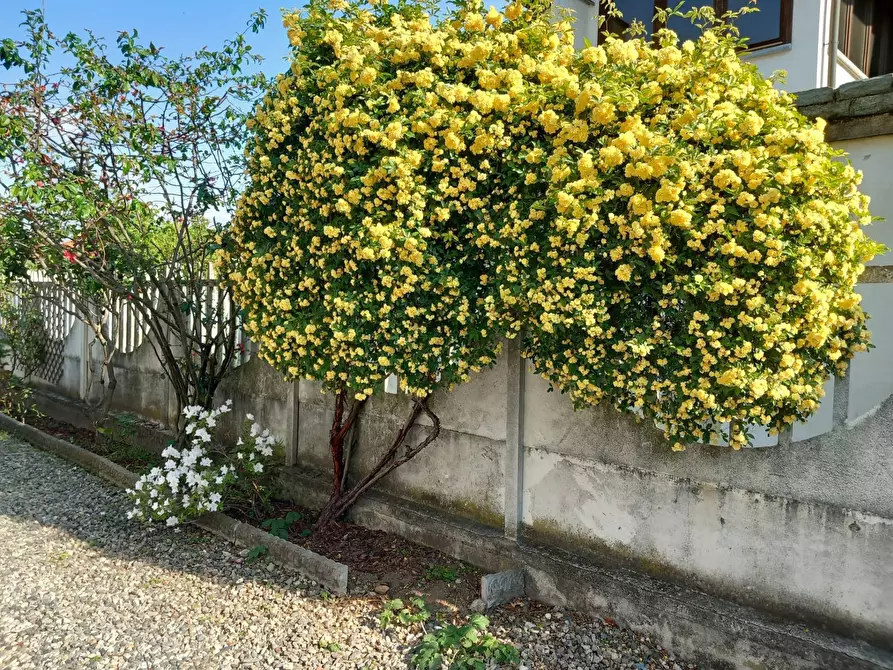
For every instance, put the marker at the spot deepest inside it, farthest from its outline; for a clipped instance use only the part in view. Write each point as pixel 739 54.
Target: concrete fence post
pixel 86 360
pixel 514 439
pixel 294 418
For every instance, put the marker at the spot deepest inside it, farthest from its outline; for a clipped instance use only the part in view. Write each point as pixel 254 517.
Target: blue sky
pixel 181 26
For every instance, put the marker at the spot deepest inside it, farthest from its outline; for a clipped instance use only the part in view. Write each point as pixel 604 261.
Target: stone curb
pixel 328 573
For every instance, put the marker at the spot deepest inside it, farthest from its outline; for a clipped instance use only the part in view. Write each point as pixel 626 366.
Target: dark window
pixel 768 27
pixel 866 35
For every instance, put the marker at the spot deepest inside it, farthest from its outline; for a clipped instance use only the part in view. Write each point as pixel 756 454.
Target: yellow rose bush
pixel 681 242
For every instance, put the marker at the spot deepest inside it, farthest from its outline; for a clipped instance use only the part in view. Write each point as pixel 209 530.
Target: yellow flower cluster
pixel 683 244
pixel 670 234
pixel 358 248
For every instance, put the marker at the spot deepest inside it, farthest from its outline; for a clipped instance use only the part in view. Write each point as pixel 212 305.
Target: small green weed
pixel 256 552
pixel 441 573
pixel 329 646
pixel 449 647
pixel 280 527
pixel 466 647
pixel 395 611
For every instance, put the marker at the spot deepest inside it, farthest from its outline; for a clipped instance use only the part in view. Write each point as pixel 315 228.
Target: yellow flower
pixel 474 22
pixel 494 18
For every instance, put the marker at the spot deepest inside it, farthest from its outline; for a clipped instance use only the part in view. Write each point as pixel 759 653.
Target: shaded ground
pixel 134 458
pixel 82 587
pixel 377 559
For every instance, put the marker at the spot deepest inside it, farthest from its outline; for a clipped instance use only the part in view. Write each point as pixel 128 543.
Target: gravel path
pixel 82 587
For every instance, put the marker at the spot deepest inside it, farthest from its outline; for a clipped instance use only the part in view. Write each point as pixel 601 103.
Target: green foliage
pixel 23 334
pixel 110 167
pixel 442 573
pixel 466 647
pixel 396 612
pixel 281 527
pixel 257 551
pixel 15 395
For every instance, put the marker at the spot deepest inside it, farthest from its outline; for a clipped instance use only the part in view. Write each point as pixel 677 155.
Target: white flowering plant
pixel 203 477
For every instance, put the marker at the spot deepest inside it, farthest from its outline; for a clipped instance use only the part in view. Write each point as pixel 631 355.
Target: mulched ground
pixel 134 458
pixel 377 559
pixel 83 437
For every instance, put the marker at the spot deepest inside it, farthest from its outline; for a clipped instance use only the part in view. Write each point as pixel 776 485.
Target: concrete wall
pixel 804 528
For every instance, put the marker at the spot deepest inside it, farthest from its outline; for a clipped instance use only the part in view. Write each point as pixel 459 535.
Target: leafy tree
pixel 115 166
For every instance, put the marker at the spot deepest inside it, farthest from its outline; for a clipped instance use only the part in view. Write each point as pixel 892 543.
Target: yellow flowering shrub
pixel 358 249
pixel 681 242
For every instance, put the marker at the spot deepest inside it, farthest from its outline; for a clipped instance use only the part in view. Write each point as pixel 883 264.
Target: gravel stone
pixel 83 587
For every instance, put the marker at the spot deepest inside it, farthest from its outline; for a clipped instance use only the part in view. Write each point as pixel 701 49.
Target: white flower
pixel 214 498
pixel 203 435
pixel 207 462
pixel 250 417
pixel 258 467
pixel 172 521
pixel 139 485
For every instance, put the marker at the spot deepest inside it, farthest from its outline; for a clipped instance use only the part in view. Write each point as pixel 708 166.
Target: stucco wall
pixel 773 527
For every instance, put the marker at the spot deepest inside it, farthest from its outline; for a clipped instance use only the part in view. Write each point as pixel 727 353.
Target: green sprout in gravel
pixel 256 552
pixel 466 647
pixel 395 611
pixel 450 647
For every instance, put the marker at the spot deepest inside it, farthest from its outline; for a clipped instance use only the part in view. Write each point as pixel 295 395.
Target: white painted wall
pixel 805 59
